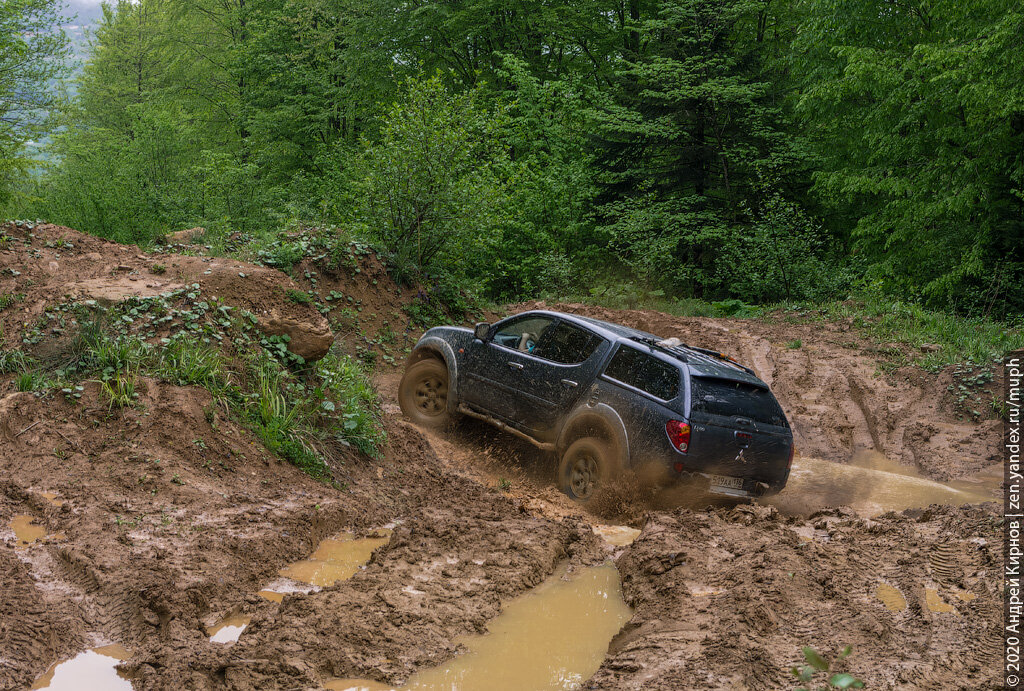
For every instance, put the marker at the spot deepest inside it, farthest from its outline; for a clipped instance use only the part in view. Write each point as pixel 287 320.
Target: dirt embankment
pixel 831 389
pixel 45 265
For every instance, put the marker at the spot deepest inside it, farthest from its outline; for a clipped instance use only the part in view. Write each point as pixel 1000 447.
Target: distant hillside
pixel 84 15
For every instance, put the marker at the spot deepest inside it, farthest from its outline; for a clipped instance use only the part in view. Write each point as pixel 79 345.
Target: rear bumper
pixel 751 486
pixel 760 478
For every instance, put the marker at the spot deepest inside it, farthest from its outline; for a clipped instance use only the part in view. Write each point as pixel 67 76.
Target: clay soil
pixel 170 516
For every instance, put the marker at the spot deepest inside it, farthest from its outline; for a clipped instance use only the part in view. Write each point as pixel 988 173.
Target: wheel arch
pixel 436 348
pixel 599 421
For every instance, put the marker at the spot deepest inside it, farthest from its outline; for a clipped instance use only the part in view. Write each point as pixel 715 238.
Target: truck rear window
pixel 642 371
pixel 735 398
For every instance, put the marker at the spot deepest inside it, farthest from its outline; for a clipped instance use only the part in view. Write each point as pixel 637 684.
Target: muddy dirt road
pixel 151 526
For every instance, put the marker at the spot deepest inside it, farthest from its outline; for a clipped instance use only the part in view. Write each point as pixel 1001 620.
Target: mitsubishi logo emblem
pixel 739 457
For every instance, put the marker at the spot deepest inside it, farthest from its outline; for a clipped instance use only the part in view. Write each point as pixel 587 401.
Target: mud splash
pixel 872 484
pixel 335 559
pixel 554 637
pixel 26 531
pixel 93 670
pixel 228 630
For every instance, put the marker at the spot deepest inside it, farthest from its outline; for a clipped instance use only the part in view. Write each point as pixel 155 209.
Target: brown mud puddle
pixel 553 637
pixel 617 535
pixel 228 630
pixel 93 670
pixel 335 559
pixel 872 484
pixel 891 597
pixel 52 498
pixel 26 531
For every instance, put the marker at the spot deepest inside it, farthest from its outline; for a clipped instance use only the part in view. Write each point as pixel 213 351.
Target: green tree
pixel 427 190
pixel 32 54
pixel 917 114
pixel 691 122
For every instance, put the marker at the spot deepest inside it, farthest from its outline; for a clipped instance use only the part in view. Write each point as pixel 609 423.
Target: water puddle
pixel 228 630
pixel 93 670
pixel 618 535
pixel 553 637
pixel 891 597
pixel 335 559
pixel 52 498
pixel 872 484
pixel 935 602
pixel 26 531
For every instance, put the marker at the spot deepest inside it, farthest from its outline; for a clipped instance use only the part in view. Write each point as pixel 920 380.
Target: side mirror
pixel 480 331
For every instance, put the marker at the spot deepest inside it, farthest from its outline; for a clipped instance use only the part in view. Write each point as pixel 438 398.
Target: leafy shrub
pixel 426 189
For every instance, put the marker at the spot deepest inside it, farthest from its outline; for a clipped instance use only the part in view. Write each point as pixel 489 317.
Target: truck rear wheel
pixel 423 393
pixel 585 469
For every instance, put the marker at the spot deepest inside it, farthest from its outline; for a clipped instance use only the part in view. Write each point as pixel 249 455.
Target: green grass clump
pixel 8 299
pixel 936 339
pixel 299 297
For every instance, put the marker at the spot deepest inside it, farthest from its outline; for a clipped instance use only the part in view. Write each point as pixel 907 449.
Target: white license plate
pixel 726 482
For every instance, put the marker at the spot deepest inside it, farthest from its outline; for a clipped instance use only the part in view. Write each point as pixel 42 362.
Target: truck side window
pixel 522 334
pixel 645 372
pixel 567 344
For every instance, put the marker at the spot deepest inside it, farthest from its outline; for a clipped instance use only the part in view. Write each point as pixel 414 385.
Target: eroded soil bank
pixel 151 524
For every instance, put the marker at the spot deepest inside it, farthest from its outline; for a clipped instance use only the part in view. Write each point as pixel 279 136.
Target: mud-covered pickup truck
pixel 604 398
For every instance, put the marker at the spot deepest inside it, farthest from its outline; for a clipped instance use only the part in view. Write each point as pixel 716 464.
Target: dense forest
pixel 762 150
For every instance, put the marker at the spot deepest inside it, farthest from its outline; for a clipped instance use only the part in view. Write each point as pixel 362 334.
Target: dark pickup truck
pixel 603 398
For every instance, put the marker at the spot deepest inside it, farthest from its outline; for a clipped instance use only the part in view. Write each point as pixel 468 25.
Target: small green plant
pixel 794 344
pixel 734 308
pixel 176 479
pixel 504 484
pixel 8 299
pixel 13 361
pixel 119 390
pixel 187 361
pixel 159 269
pixel 28 381
pixel 299 297
pixel 816 671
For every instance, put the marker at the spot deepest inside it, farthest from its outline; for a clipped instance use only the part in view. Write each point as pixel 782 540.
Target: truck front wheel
pixel 423 393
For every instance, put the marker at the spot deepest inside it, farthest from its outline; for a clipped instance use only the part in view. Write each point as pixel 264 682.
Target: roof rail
pixel 680 352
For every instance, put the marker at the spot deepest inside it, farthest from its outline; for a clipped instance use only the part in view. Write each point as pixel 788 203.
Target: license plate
pixel 726 482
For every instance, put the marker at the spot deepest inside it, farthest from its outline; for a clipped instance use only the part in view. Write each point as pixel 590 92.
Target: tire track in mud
pixel 780 591
pixel 34 629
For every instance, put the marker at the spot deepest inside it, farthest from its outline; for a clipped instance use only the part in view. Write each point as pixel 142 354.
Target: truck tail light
pixel 678 434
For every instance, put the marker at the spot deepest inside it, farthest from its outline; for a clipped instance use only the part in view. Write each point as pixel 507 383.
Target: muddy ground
pixel 170 516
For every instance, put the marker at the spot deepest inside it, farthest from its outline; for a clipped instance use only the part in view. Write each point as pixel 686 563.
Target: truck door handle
pixel 745 421
pixel 569 383
pixel 515 365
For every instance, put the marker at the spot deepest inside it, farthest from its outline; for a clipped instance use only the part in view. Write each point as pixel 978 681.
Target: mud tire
pixel 585 469
pixel 423 394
